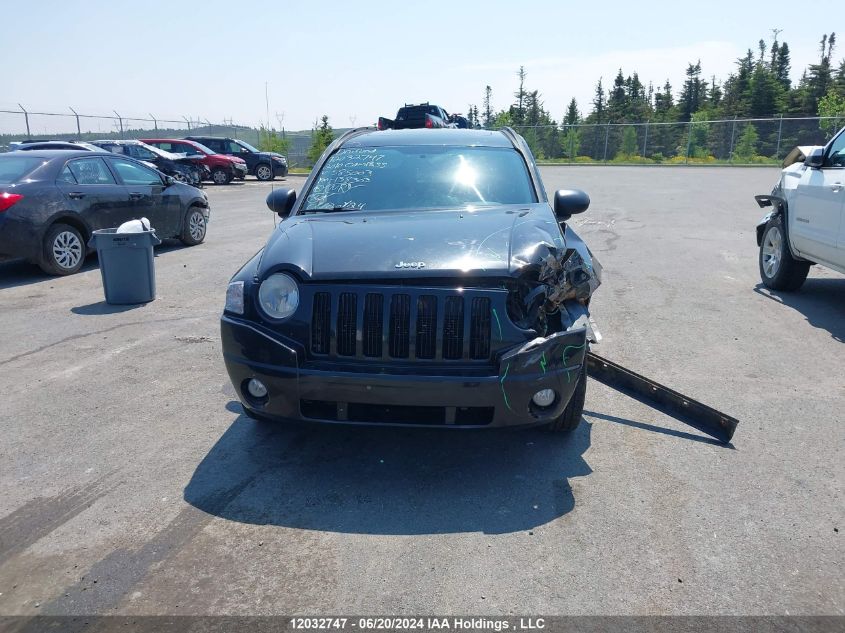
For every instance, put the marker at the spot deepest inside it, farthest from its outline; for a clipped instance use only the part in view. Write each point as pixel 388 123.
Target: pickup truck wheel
pixel 571 416
pixel 778 269
pixel 264 172
pixel 193 231
pixel 63 252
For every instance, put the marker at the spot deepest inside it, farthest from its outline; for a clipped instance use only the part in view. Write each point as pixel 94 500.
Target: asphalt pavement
pixel 131 482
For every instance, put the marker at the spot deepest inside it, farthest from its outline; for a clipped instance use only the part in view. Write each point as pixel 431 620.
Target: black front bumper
pixel 369 394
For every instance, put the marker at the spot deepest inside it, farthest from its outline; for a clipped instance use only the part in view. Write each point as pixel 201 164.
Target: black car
pixel 51 201
pixel 182 168
pixel 262 165
pixel 422 278
pixel 423 115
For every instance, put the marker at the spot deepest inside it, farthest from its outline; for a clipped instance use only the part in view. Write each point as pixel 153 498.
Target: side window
pixel 66 176
pixel 836 155
pixel 216 145
pixel 90 171
pixel 135 174
pixel 234 148
pixel 141 153
pixel 183 148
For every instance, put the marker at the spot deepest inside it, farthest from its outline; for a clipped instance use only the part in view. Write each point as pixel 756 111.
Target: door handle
pixel 75 195
pixel 837 186
pixel 136 196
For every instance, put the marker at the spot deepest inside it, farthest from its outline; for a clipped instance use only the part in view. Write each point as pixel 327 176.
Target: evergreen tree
pixel 488 108
pixel 572 116
pixel 693 93
pixel 746 146
pixel 320 139
pixel 599 103
pixel 519 106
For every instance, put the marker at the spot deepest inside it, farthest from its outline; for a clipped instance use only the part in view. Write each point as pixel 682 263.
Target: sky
pixel 356 61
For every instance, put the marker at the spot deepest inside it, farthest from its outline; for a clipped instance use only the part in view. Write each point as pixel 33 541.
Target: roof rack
pixel 413 105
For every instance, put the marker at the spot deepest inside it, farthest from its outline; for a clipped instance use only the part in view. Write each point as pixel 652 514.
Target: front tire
pixel 264 172
pixel 778 269
pixel 194 229
pixel 63 250
pixel 220 176
pixel 571 416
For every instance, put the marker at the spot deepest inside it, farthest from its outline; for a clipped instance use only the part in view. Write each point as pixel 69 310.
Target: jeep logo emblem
pixel 410 265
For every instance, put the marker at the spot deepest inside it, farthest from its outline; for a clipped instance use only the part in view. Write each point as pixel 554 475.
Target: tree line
pixel 679 121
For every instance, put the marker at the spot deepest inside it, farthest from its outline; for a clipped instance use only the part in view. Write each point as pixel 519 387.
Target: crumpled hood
pixel 496 241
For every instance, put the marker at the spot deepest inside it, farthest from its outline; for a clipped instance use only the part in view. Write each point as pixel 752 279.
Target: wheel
pixel 571 416
pixel 193 232
pixel 264 172
pixel 778 269
pixel 220 176
pixel 64 250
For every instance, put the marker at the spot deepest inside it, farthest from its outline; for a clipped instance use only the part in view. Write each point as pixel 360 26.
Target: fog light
pixel 544 397
pixel 257 389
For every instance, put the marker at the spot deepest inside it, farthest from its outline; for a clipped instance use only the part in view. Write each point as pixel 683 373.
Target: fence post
pixel 780 129
pixel 155 123
pixel 78 128
pixel 733 134
pixel 120 120
pixel 572 144
pixel 645 141
pixel 26 117
pixel 689 140
pixel 188 121
pixel 606 136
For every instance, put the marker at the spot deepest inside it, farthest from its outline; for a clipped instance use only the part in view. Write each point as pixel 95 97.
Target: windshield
pixel 14 168
pixel 247 145
pixel 201 147
pixel 420 177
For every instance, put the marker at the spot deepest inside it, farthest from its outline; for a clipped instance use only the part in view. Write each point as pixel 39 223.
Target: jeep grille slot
pixel 373 324
pixel 479 332
pixel 380 324
pixel 453 328
pixel 347 317
pixel 426 326
pixel 400 325
pixel 320 328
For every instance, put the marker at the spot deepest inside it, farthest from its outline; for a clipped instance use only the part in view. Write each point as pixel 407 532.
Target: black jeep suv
pixel 422 278
pixel 262 165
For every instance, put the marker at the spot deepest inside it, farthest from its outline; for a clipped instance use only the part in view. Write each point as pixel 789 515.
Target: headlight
pixel 278 296
pixel 279 159
pixel 235 297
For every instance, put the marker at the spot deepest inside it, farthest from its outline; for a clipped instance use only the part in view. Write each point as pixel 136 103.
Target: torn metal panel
pixel 683 408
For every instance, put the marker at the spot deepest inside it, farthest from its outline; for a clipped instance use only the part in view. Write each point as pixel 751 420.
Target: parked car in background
pixel 262 165
pixel 30 145
pixel 51 201
pixel 806 225
pixel 222 168
pixel 423 115
pixel 182 168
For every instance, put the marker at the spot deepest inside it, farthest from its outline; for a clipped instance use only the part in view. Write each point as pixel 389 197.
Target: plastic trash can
pixel 126 265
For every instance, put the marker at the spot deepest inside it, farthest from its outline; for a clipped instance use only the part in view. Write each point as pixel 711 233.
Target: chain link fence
pixel 22 124
pixel 730 141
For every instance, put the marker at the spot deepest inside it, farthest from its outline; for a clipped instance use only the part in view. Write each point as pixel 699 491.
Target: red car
pixel 223 168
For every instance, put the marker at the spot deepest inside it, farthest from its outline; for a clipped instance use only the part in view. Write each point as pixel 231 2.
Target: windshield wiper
pixel 331 210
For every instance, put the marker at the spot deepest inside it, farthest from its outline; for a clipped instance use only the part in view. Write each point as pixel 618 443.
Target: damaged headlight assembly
pixel 235 297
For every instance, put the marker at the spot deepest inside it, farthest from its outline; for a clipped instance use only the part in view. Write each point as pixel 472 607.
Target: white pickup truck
pixel 806 224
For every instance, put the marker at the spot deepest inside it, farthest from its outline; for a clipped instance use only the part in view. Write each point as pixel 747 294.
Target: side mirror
pixel 568 202
pixel 815 159
pixel 169 180
pixel 281 201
